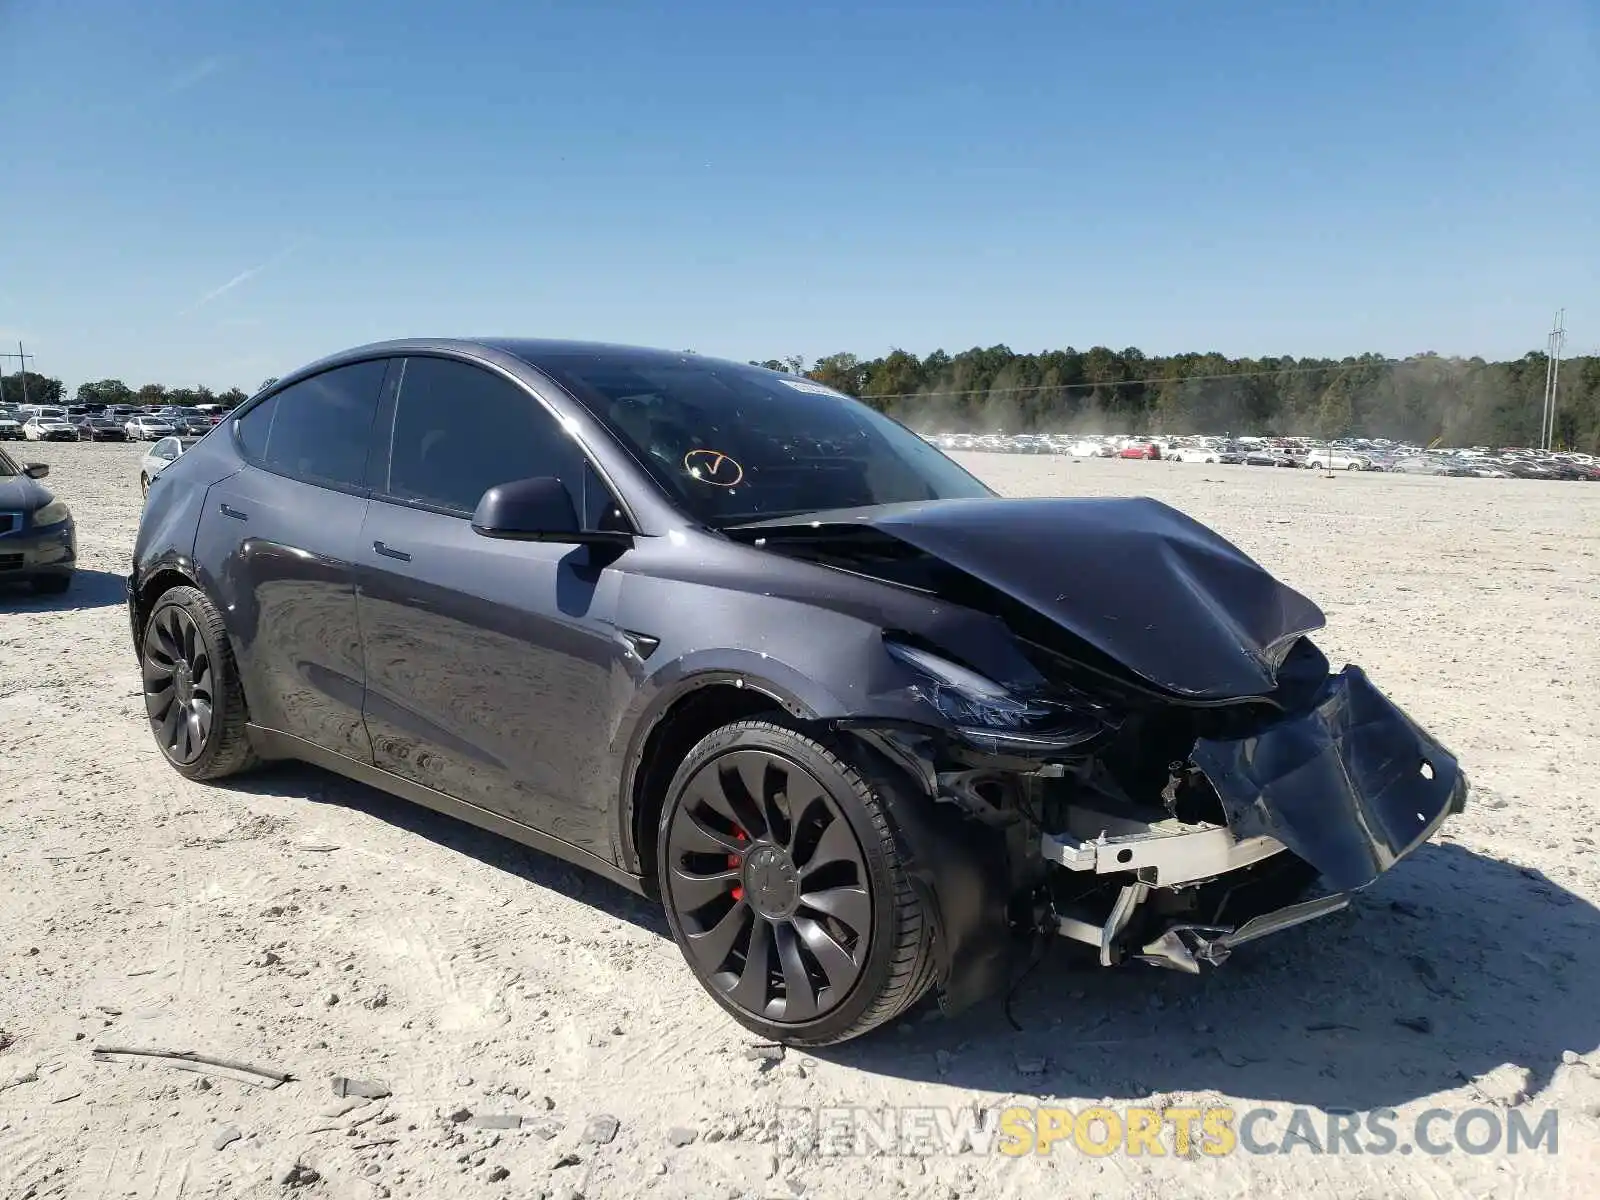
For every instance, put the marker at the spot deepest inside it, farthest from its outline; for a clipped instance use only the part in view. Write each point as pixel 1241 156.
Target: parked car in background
pixel 184 420
pixel 1322 459
pixel 10 424
pixel 1264 456
pixel 47 426
pixel 1140 450
pixel 142 427
pixel 159 457
pixel 1194 454
pixel 99 429
pixel 38 541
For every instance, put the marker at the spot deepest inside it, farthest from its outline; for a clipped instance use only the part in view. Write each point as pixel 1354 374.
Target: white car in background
pixel 1194 454
pixel 49 425
pixel 145 428
pixel 159 457
pixel 1337 460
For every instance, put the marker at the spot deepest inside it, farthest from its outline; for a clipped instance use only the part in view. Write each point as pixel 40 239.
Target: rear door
pixel 281 535
pixel 488 662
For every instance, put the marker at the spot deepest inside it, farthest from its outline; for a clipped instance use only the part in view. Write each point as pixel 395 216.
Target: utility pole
pixel 1552 379
pixel 22 371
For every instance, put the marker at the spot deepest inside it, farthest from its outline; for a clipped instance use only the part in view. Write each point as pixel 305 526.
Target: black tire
pixel 892 972
pixel 52 585
pixel 144 484
pixel 182 627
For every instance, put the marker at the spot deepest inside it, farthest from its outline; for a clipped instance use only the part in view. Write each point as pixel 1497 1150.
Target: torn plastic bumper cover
pixel 1351 786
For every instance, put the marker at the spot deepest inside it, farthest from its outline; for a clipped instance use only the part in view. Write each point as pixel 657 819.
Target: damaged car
pixel 737 641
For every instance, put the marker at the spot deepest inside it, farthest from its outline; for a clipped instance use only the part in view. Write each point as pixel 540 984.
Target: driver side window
pixel 460 430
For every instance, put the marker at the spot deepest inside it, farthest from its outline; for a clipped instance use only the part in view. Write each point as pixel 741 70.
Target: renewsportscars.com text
pixel 1212 1131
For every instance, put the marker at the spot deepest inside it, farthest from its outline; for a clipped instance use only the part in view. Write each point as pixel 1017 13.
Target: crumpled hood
pixel 1158 592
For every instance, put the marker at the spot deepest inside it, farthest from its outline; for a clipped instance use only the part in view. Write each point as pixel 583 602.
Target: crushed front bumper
pixel 1350 786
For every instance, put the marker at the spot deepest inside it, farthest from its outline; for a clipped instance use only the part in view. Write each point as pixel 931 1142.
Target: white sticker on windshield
pixel 816 389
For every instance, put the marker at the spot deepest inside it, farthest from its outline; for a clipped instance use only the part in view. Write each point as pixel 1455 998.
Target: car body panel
pixel 1133 578
pixel 278 556
pixel 465 621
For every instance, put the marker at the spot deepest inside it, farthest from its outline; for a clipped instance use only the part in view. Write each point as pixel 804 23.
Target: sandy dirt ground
pixel 539 1034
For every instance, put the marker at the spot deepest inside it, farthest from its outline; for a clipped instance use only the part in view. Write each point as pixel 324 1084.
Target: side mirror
pixel 36 470
pixel 535 510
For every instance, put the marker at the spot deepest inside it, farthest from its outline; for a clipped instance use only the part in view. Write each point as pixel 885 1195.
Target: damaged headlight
pixel 975 703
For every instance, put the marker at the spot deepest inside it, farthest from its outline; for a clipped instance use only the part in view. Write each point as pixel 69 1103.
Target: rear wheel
pixel 191 687
pixel 783 885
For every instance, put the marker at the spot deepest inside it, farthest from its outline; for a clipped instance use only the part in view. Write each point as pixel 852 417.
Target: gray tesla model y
pixel 736 640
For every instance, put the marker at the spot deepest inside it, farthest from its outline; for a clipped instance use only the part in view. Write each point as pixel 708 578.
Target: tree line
pixel 43 389
pixel 1421 399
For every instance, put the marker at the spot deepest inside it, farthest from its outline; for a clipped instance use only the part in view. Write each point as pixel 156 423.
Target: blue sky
pixel 214 193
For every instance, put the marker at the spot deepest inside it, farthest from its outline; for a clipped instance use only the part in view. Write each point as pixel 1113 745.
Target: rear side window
pixel 318 429
pixel 459 430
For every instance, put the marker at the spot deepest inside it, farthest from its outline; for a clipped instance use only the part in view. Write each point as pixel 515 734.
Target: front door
pixel 488 663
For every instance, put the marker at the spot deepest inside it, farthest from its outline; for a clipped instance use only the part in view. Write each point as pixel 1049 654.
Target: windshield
pixel 731 443
pixel 7 466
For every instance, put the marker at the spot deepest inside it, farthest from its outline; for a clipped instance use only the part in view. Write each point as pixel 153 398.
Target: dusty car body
pixel 744 636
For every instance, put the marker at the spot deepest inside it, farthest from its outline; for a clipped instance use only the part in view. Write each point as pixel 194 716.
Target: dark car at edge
pixel 737 641
pixel 38 540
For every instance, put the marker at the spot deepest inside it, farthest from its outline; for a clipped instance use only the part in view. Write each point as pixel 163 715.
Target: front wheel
pixel 144 484
pixel 783 885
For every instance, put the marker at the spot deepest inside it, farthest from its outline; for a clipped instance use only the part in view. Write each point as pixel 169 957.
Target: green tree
pixel 106 391
pixel 30 387
pixel 842 372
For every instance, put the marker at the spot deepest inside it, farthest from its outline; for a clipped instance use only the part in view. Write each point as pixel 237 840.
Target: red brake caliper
pixel 733 863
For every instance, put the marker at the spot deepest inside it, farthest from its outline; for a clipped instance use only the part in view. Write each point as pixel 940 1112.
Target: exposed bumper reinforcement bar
pixel 1161 854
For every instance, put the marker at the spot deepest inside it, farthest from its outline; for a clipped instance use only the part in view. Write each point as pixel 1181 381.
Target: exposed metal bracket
pixel 1128 900
pixel 1105 936
pixel 1162 853
pixel 1185 947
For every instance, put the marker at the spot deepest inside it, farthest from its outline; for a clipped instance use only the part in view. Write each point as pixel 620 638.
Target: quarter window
pixel 318 429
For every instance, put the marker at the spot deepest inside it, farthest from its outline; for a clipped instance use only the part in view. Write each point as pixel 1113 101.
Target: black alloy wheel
pixel 788 909
pixel 179 684
pixel 192 694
